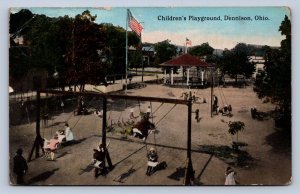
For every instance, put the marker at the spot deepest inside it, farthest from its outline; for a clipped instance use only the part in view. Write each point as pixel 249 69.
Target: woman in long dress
pixel 230 176
pixel 68 133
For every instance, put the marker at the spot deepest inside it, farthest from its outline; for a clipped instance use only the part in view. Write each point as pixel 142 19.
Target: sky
pixel 219 34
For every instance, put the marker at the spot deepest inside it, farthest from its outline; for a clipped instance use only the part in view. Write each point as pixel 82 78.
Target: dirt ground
pixel 268 150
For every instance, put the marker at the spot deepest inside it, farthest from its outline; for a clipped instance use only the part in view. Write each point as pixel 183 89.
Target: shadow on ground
pixel 42 177
pixel 124 176
pixel 228 155
pixel 280 141
pixel 178 174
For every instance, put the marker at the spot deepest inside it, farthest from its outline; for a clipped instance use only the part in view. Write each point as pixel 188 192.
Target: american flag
pixel 188 42
pixel 134 24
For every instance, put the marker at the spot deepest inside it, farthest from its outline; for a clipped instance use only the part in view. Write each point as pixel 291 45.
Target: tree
pixel 275 82
pixel 235 127
pixel 115 42
pixel 78 49
pixel 164 51
pixel 19 23
pixel 236 62
pixel 19 55
pixel 135 59
pixel 202 50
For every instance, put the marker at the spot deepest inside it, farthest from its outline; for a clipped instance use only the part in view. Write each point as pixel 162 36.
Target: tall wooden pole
pixel 189 134
pixel 189 171
pixel 126 47
pixel 212 93
pixel 104 121
pixel 107 157
pixel 38 142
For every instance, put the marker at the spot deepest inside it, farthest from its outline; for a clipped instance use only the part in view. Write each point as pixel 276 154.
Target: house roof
pixel 185 60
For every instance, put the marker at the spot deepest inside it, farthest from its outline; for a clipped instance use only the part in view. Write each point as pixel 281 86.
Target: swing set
pixel 38 142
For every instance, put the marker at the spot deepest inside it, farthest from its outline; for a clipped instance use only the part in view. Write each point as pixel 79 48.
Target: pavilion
pixel 191 71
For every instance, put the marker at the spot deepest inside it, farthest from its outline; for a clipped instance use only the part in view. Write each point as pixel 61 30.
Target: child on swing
pixel 152 161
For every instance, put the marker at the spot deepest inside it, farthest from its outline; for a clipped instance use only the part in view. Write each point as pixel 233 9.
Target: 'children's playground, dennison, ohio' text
pixel 211 18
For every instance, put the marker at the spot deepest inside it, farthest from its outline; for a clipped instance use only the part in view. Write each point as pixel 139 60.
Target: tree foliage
pixel 164 51
pixel 235 127
pixel 201 50
pixel 275 81
pixel 78 49
pixel 236 62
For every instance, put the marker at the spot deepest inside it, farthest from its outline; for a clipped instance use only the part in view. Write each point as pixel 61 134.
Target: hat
pixel 152 149
pixel 19 151
pixel 229 170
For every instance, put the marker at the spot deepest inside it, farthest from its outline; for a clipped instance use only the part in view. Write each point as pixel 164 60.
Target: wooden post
pixel 165 78
pixel 172 74
pixel 104 121
pixel 187 76
pixel 189 171
pixel 38 142
pixel 212 93
pixel 107 157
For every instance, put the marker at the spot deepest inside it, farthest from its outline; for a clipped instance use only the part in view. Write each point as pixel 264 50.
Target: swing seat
pixel 152 164
pixel 98 165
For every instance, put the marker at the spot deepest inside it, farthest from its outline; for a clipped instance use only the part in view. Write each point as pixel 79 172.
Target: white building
pixel 259 64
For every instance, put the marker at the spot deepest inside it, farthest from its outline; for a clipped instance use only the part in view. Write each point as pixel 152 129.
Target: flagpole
pixel 185 47
pixel 142 58
pixel 126 49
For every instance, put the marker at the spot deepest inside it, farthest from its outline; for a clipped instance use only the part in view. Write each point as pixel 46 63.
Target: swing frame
pixel 189 172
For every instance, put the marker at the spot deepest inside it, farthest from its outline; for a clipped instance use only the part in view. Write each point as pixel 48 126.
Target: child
pixel 68 133
pixel 230 176
pixel 98 158
pixel 52 146
pixel 152 161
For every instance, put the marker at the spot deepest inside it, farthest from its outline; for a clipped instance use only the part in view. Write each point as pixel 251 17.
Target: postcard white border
pixel 4 40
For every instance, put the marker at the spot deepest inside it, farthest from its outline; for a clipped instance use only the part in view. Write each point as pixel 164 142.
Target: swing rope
pixel 154 131
pixel 222 93
pixel 156 108
pixel 139 106
pixel 165 115
pixel 221 96
pixel 88 105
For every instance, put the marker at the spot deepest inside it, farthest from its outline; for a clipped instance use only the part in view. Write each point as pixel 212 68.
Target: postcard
pixel 150 96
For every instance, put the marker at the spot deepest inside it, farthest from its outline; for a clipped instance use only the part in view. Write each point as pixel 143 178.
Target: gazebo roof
pixel 185 60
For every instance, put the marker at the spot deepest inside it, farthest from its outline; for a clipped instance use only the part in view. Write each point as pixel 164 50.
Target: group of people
pixel 186 95
pixel 61 136
pixel 140 129
pixel 226 110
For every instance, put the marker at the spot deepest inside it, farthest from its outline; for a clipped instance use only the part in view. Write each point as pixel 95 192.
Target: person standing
pixel 68 133
pixel 230 176
pixel 20 166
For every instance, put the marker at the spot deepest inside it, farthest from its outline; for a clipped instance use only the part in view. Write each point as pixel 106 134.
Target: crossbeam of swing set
pixel 119 96
pixel 189 172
